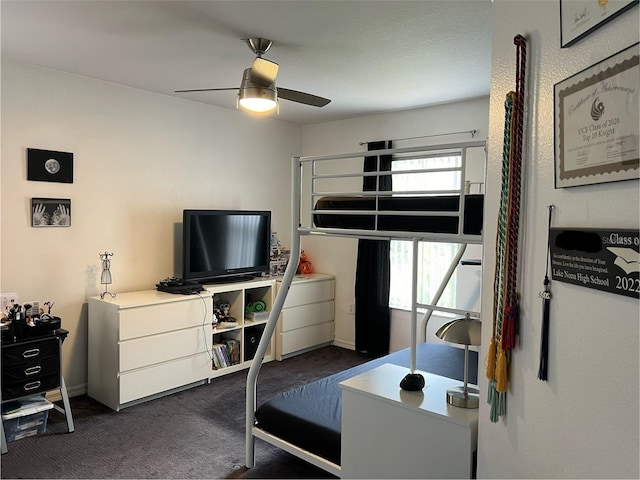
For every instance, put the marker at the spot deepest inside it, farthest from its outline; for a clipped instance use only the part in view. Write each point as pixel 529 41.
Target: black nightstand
pixel 32 366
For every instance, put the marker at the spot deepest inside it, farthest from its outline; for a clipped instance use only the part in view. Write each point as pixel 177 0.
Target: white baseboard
pixel 344 344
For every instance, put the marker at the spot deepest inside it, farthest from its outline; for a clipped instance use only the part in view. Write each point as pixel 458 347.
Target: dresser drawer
pixel 307 315
pixel 155 379
pixel 31 386
pixel 29 352
pixel 140 352
pixel 30 370
pixel 308 337
pixel 309 291
pixel 152 319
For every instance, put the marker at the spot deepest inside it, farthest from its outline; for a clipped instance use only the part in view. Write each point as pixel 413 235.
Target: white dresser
pixel 148 343
pixel 307 317
pixel 391 433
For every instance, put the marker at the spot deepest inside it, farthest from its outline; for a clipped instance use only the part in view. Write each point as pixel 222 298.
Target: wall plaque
pixel 601 259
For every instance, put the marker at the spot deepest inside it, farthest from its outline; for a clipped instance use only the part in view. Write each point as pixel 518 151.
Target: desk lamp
pixel 464 331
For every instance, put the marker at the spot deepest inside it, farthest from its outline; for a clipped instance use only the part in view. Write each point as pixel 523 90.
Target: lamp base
pixel 412 382
pixel 457 397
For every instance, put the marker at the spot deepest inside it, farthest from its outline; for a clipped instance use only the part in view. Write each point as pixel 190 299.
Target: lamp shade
pixel 255 97
pixel 465 331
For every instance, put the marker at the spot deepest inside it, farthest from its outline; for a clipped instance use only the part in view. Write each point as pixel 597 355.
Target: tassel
pixel 492 400
pixel 501 409
pixel 544 340
pixel 491 359
pixel 501 372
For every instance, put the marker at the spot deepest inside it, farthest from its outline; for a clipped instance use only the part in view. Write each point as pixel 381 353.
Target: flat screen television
pixel 225 245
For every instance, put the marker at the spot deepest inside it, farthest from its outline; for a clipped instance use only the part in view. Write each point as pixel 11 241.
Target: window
pixel 434 257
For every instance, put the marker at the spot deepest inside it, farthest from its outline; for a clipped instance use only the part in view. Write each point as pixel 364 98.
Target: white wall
pixel 338 255
pixel 139 159
pixel 582 422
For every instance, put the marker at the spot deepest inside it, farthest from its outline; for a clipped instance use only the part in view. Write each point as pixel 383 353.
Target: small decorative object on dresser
pixel 105 278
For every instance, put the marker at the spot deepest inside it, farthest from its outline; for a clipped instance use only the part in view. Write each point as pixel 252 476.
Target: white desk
pixel 391 433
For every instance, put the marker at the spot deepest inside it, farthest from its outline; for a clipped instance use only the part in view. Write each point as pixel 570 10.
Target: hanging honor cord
pixel 546 299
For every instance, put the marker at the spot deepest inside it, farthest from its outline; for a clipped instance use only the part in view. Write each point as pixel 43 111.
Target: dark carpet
pixel 196 433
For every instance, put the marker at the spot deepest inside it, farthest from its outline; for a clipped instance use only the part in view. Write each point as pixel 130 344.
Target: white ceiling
pixel 366 56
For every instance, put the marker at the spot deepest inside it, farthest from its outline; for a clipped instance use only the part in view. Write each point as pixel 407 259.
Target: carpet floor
pixel 196 433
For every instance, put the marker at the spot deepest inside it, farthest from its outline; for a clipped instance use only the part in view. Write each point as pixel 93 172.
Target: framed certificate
pixel 578 18
pixel 596 122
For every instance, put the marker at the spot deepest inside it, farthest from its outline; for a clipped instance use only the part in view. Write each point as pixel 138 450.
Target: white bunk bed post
pixel 413 381
pixel 290 271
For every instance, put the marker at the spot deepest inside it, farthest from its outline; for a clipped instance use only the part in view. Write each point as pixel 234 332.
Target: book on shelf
pixel 226 354
pixel 233 349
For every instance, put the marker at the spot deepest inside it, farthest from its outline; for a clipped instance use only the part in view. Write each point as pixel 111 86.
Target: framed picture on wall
pixel 49 166
pixel 50 212
pixel 578 18
pixel 596 122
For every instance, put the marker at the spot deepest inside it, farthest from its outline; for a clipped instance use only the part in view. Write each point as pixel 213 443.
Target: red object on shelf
pixel 304 266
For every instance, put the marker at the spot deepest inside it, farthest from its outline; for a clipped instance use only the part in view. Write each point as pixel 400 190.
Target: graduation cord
pixel 497 405
pixel 546 300
pixel 505 306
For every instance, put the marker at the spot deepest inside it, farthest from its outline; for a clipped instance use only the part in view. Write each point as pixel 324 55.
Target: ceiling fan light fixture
pixel 256 98
pixel 259 104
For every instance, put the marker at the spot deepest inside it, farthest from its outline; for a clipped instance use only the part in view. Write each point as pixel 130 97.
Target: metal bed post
pixel 436 298
pixel 292 267
pixel 413 381
pixel 414 304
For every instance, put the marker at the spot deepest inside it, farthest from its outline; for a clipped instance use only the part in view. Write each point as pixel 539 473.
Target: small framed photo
pixel 596 122
pixel 49 166
pixel 578 18
pixel 50 212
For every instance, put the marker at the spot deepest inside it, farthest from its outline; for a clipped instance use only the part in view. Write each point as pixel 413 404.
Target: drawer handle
pixel 34 352
pixel 32 370
pixel 32 385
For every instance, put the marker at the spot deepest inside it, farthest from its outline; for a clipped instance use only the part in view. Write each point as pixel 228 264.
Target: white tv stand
pixel 147 344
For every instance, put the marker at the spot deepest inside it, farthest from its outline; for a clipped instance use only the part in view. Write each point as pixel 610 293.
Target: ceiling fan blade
pixel 205 90
pixel 301 97
pixel 263 71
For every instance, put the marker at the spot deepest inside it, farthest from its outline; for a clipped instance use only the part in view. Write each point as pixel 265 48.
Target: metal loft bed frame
pixel 315 171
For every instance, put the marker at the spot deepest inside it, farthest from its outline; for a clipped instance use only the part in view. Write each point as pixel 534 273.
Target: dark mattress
pixel 473 212
pixel 310 416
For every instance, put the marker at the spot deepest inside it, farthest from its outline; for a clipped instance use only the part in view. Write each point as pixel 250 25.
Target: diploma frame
pixel 578 18
pixel 596 122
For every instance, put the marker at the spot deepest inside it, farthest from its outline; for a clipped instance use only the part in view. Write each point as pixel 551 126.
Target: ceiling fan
pixel 258 91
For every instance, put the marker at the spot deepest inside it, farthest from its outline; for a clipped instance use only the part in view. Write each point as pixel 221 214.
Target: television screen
pixel 225 243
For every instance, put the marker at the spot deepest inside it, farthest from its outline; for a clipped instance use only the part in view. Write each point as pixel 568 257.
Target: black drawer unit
pixel 30 367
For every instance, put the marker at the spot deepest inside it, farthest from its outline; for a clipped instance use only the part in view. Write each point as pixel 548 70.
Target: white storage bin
pixel 30 420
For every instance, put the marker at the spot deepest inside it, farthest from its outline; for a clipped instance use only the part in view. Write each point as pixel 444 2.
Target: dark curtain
pixel 373 270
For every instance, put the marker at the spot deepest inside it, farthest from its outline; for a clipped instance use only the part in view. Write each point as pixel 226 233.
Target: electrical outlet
pixel 7 300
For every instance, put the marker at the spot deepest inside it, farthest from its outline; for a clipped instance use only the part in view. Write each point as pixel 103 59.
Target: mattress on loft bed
pixel 473 212
pixel 310 416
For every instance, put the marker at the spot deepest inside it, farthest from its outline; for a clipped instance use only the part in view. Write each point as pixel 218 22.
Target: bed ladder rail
pixel 433 307
pixel 290 271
